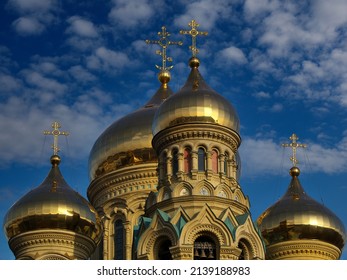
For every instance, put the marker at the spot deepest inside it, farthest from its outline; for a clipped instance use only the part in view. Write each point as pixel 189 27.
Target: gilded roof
pixel 127 138
pixel 195 102
pixel 53 205
pixel 298 216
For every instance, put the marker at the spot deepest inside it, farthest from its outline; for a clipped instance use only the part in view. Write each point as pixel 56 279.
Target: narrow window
pixel 214 158
pixel 201 159
pixel 187 155
pixel 226 158
pixel 118 240
pixel 174 161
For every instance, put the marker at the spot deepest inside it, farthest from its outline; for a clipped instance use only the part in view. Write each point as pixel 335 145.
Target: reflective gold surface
pixel 53 205
pixel 195 102
pixel 297 216
pixel 131 134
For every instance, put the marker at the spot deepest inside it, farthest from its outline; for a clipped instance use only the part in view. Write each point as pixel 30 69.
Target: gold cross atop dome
pixel 56 133
pixel 193 32
pixel 164 42
pixel 294 145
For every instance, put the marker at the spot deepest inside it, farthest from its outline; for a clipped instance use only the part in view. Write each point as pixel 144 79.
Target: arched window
pixel 163 248
pixel 201 159
pixel 205 248
pixel 164 163
pixel 226 158
pixel 187 156
pixel 174 161
pixel 118 240
pixel 245 253
pixel 214 158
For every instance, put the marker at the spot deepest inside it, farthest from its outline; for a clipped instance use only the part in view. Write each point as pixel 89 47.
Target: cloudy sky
pixel 282 64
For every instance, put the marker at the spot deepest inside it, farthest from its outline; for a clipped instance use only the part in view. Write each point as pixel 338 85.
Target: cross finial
pixel 193 32
pixel 294 145
pixel 56 133
pixel 164 42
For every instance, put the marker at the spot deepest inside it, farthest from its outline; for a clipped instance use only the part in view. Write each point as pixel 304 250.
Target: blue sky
pixel 282 64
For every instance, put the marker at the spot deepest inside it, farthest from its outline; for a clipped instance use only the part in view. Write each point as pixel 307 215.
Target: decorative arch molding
pixel 177 188
pixel 247 234
pixel 205 222
pixel 224 187
pixel 203 184
pixel 158 228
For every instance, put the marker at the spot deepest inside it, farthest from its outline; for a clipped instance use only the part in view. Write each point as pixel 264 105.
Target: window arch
pixel 174 161
pixel 163 249
pixel 214 159
pixel 118 240
pixel 187 157
pixel 201 159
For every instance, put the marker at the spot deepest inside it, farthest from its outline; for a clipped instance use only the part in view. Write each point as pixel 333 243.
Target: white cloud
pixel 36 15
pixel 36 79
pixel 81 74
pixel 131 13
pixel 9 84
pixel 30 6
pixel 205 12
pixel 81 27
pixel 264 156
pixel 232 55
pixel 262 95
pixel 27 26
pixel 107 60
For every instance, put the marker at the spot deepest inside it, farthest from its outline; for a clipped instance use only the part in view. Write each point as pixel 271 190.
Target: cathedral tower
pixel 200 210
pixel 123 168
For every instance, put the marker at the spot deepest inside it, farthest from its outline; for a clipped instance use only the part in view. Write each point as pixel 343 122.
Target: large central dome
pixel 128 140
pixel 195 102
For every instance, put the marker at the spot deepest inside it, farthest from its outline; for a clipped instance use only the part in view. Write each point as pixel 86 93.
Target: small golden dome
pixel 53 205
pixel 129 139
pixel 297 216
pixel 195 102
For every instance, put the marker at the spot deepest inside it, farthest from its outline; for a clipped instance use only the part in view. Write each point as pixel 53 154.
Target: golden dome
pixel 53 205
pixel 297 216
pixel 195 102
pixel 128 140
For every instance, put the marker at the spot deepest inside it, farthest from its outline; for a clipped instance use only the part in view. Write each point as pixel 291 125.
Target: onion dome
pixel 195 102
pixel 296 216
pixel 128 140
pixel 53 205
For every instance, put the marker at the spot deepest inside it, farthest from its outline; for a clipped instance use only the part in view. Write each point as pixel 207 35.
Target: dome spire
pixel 56 133
pixel 194 61
pixel 55 159
pixel 164 74
pixel 294 145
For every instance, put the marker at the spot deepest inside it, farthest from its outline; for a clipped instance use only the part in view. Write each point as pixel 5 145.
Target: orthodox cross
pixel 193 32
pixel 164 42
pixel 56 133
pixel 294 145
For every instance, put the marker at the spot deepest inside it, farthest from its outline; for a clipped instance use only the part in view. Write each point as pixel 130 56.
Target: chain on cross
pixel 164 42
pixel 294 145
pixel 193 32
pixel 56 133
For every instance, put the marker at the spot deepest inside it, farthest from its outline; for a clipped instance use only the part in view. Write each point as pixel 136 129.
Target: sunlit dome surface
pixel 297 216
pixel 128 140
pixel 196 102
pixel 53 205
